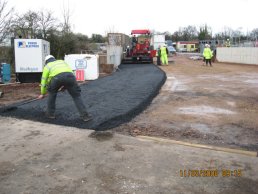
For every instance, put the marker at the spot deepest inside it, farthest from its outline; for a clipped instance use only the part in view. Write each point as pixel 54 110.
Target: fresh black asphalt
pixel 111 100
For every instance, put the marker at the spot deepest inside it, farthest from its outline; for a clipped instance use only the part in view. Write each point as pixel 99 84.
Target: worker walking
pixel 57 75
pixel 164 55
pixel 207 54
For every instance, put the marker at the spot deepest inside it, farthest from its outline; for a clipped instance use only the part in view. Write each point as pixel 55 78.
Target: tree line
pixel 204 32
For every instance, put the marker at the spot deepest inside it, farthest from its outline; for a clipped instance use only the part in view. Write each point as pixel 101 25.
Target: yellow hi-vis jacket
pixel 207 53
pixel 163 51
pixel 51 70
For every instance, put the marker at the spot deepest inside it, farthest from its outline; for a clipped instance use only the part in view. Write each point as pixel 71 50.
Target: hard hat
pixel 227 39
pixel 128 46
pixel 48 57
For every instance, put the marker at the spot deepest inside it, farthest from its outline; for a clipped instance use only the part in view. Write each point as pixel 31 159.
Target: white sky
pixel 102 16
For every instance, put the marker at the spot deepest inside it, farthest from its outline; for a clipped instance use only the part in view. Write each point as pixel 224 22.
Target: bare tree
pixel 46 23
pixel 5 20
pixel 227 32
pixel 185 34
pixel 26 25
pixel 66 25
pixel 19 27
pixel 190 33
pixel 205 33
pixel 254 34
pixel 32 19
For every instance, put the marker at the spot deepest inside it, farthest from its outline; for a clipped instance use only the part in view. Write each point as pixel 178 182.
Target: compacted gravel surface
pixel 111 100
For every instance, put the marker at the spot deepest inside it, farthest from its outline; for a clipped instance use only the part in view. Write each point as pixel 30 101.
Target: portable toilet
pixel 5 72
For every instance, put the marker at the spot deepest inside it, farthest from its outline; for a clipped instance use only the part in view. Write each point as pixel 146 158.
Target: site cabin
pixel 30 59
pixel 141 50
pixel 187 46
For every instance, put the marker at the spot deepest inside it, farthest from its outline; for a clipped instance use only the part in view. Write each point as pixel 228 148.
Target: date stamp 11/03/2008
pixel 211 173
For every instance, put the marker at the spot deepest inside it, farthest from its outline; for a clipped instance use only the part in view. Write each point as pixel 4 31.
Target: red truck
pixel 140 50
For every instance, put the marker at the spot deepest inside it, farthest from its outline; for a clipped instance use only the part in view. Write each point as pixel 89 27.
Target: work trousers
pixel 208 61
pixel 164 59
pixel 68 81
pixel 158 60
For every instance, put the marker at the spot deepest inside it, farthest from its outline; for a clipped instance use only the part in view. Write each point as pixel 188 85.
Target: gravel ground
pixel 206 105
pixel 111 100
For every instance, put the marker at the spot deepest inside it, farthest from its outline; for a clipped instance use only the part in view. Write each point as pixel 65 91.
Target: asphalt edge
pixel 128 116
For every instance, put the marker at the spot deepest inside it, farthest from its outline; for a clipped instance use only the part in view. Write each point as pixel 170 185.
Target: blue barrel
pixel 6 72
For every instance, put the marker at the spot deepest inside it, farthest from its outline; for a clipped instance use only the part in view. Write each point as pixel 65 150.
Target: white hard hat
pixel 48 57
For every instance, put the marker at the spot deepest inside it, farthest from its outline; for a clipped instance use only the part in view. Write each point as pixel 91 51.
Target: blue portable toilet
pixel 6 72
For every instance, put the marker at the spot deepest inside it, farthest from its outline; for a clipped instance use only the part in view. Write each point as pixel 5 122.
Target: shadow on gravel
pixel 111 100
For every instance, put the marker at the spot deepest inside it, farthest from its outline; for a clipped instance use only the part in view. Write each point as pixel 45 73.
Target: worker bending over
pixel 57 75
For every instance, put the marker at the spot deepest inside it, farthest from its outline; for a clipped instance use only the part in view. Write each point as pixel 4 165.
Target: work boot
pixel 86 117
pixel 50 116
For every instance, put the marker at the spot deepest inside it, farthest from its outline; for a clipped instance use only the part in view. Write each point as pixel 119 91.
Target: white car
pixel 171 49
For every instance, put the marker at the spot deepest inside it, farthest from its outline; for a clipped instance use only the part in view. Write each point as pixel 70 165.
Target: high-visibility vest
pixel 207 53
pixel 163 51
pixel 51 70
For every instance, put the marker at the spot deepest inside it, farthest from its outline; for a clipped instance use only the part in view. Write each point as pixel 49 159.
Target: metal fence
pixel 221 43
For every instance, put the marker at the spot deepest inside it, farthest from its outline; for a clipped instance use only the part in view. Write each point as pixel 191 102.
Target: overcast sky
pixel 102 16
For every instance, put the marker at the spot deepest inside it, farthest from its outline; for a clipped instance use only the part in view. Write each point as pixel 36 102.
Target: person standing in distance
pixel 158 55
pixel 207 54
pixel 56 75
pixel 164 54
